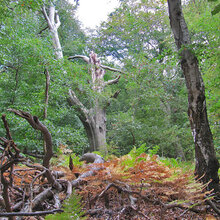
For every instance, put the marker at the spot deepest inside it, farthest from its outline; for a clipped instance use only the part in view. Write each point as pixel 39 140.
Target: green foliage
pixel 24 55
pixel 131 157
pixel 184 165
pixel 154 150
pixel 135 152
pixel 72 209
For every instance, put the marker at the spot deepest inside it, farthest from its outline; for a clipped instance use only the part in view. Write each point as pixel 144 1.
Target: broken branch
pixel 111 69
pixel 85 58
pixel 113 81
pixel 30 213
pixel 73 100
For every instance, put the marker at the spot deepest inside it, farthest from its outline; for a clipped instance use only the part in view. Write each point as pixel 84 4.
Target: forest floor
pixel 129 187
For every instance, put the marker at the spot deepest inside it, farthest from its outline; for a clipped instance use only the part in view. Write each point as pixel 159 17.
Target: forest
pixel 120 122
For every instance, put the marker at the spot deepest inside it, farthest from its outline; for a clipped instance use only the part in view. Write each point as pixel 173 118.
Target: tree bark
pixel 207 164
pixel 94 119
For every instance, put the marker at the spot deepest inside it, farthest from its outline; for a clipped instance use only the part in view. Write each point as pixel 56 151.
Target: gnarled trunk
pixel 94 119
pixel 207 164
pixel 95 126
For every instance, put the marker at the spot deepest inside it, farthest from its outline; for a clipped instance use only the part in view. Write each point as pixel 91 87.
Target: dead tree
pixel 53 22
pixel 207 164
pixel 94 119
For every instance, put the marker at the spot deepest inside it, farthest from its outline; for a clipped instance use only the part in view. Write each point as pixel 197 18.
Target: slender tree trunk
pixel 207 164
pixel 46 92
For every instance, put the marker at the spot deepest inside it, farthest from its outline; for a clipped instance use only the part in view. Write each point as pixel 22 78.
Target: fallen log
pixel 89 158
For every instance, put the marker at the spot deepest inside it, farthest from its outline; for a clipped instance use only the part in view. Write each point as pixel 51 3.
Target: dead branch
pixel 52 19
pixel 89 157
pixel 73 100
pixel 36 124
pixel 92 212
pixel 30 213
pixel 57 203
pixel 119 188
pixel 85 58
pixel 113 81
pixel 16 206
pixel 8 144
pixel 58 174
pixel 8 133
pixel 183 206
pixel 31 189
pixel 5 194
pixel 213 206
pixel 41 197
pixel 46 17
pixel 111 69
pixel 116 94
pixel 41 31
pixel 69 190
pixel 130 208
pixel 37 167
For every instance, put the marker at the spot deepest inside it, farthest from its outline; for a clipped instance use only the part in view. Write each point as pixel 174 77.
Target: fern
pixel 153 151
pixel 131 157
pixel 72 209
pixel 135 152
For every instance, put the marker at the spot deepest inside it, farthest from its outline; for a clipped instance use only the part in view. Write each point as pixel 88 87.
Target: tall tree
pixel 152 104
pixel 207 164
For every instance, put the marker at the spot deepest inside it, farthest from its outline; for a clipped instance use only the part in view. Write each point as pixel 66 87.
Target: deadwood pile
pixel 109 189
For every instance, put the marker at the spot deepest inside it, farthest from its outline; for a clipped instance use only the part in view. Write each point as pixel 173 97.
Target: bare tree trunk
pixel 207 164
pixel 95 126
pixel 94 119
pixel 53 22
